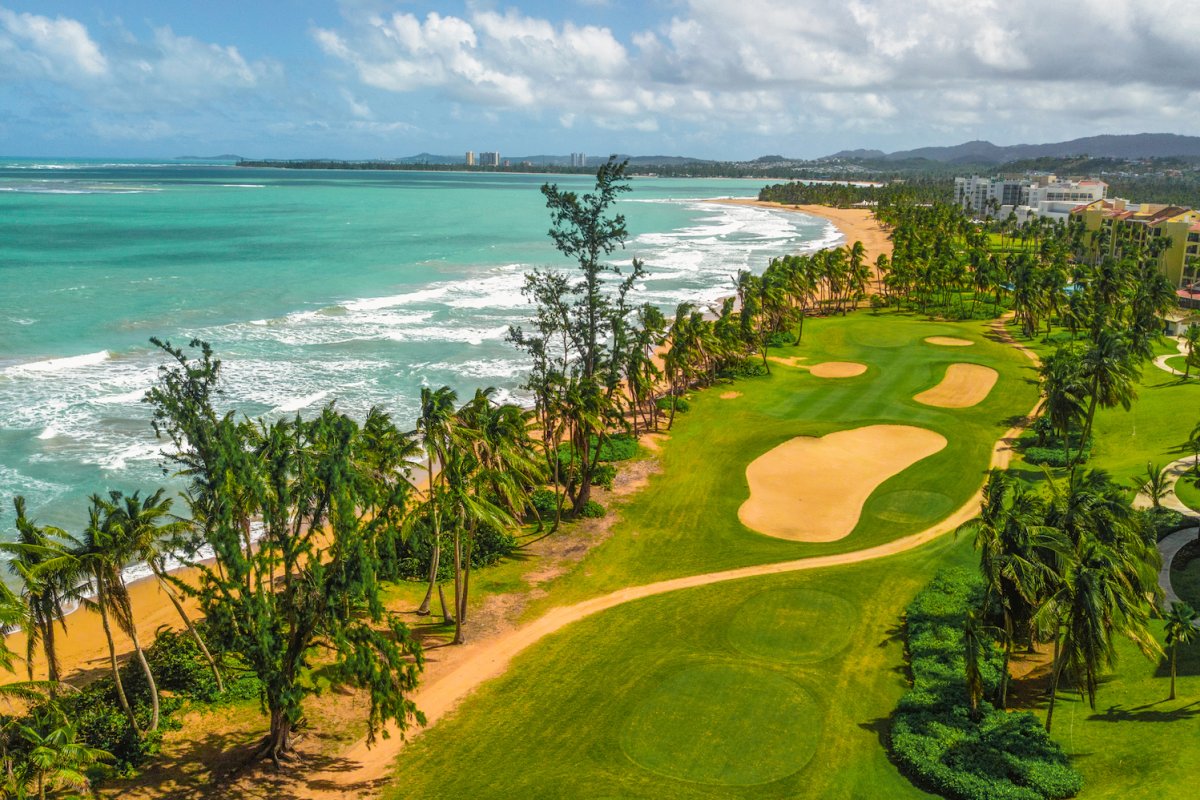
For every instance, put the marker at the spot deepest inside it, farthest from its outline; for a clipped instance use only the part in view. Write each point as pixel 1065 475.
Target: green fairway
pixel 768 687
pixel 1186 491
pixel 685 522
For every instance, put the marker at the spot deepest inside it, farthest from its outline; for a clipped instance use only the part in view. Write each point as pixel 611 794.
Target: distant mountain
pixel 1137 145
pixel 223 157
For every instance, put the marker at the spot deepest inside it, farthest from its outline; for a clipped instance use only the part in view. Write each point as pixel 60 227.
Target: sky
pixel 721 79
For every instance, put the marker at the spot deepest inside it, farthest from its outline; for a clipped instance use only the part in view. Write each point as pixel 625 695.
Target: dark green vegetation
pixel 942 734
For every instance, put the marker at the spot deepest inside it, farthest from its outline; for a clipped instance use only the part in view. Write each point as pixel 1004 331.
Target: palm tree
pixel 53 757
pixel 1191 338
pixel 1064 393
pixel 977 639
pixel 433 426
pixel 1181 623
pixel 1109 371
pixel 1154 483
pixel 45 589
pixel 140 524
pixel 1012 540
pixel 1097 601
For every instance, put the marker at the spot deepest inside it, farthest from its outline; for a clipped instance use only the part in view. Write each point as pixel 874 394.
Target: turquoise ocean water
pixel 311 286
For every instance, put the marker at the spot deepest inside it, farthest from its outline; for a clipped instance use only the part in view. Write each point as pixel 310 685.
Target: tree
pixel 310 584
pixel 573 349
pixel 1065 395
pixel 1155 483
pixel 52 758
pixel 1109 370
pixel 149 539
pixel 1191 339
pixel 434 426
pixel 45 590
pixel 1181 621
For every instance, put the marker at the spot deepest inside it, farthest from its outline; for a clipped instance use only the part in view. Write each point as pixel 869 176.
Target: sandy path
pixel 811 489
pixel 363 770
pixel 948 341
pixel 963 386
pixel 856 224
pixel 730 395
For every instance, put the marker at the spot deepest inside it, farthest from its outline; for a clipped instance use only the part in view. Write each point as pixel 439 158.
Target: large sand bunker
pixel 949 341
pixel 963 386
pixel 838 369
pixel 813 490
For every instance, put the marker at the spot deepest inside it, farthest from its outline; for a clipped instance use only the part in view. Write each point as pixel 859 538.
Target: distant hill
pixel 1129 146
pixel 224 157
pixel 554 160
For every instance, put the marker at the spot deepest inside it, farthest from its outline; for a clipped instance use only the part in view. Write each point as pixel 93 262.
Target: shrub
pixel 682 406
pixel 1053 455
pixel 934 739
pixel 1162 522
pixel 592 510
pixel 491 545
pixel 618 447
pixel 780 339
pixel 746 368
pixel 604 476
pixel 545 503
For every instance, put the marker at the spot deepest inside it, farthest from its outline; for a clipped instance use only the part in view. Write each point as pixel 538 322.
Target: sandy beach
pixel 856 224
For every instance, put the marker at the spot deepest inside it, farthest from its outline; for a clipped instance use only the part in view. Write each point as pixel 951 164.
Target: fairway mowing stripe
pixel 364 768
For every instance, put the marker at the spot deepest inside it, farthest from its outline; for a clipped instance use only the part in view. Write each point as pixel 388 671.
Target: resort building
pixel 1146 221
pixel 470 158
pixel 578 160
pixel 489 159
pixel 1041 196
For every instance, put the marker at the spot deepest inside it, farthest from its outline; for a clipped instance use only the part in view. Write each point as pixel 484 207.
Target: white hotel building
pixel 1042 196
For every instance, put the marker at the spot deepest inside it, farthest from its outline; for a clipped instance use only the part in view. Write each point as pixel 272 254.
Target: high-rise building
pixel 578 160
pixel 489 159
pixel 1040 196
pixel 470 158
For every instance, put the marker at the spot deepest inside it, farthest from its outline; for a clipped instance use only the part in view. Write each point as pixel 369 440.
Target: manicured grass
pixel 685 522
pixel 1186 491
pixel 1185 574
pixel 769 687
pixel 1136 743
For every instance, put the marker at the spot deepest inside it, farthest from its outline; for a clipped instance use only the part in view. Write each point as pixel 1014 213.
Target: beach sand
pixel 856 224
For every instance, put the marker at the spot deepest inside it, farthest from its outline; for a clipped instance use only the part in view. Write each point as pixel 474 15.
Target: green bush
pixel 604 476
pixel 544 503
pixel 491 545
pixel 746 368
pixel 592 510
pixel 781 339
pixel 1163 521
pixel 1043 449
pixel 618 447
pixel 934 739
pixel 682 406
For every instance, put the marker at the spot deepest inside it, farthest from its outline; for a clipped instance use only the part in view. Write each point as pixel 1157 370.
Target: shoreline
pixel 82 646
pixel 855 224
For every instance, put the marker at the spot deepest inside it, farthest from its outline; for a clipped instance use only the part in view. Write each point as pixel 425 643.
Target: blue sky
pixel 709 78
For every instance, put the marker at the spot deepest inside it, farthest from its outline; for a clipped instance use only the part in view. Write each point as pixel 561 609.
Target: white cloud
pixel 767 64
pixel 59 48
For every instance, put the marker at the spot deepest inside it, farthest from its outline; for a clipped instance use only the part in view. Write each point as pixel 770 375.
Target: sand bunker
pixel 965 385
pixel 949 341
pixel 813 490
pixel 838 369
pixel 789 361
pixel 730 395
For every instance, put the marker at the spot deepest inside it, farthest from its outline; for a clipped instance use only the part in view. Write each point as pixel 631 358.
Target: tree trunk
pixel 1058 666
pixel 279 740
pixel 112 657
pixel 462 611
pixel 141 656
pixel 458 585
pixel 423 609
pixel 442 598
pixel 212 662
pixel 1174 647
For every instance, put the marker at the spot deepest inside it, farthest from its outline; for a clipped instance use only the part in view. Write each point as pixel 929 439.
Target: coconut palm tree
pixel 52 759
pixel 1064 392
pixel 45 590
pixel 1181 623
pixel 434 428
pixel 1097 601
pixel 1154 483
pixel 1109 371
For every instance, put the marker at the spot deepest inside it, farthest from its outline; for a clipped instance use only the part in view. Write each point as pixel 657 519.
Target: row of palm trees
pixel 1075 567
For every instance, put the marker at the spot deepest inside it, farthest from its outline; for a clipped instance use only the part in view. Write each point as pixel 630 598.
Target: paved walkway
pixel 1170 546
pixel 1161 361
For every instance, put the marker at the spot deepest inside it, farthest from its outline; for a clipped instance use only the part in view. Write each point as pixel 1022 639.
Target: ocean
pixel 312 286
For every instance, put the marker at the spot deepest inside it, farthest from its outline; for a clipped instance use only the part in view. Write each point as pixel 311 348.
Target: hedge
pixel 934 739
